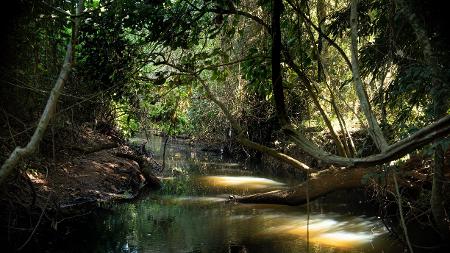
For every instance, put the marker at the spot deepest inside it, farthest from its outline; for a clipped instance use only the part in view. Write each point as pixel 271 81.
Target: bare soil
pixel 74 174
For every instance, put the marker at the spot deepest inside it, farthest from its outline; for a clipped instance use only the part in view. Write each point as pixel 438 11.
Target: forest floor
pixel 83 174
pixel 98 176
pixel 86 170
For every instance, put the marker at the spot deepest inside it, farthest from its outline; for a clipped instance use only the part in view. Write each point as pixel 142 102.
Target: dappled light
pixel 344 239
pixel 196 200
pixel 345 232
pixel 240 182
pixel 237 126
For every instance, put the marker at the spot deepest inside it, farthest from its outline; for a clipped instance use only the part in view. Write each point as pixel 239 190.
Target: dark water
pixel 190 215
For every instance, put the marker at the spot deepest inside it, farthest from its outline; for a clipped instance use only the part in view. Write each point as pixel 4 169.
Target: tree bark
pixel 319 184
pixel 20 153
pixel 402 147
pixel 440 106
pixel 277 80
pixel 342 151
pixel 374 129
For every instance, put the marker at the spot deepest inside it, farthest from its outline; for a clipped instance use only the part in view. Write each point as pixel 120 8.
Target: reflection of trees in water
pixel 166 225
pixel 188 216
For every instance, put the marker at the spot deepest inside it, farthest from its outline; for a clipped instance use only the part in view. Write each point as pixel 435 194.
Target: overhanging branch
pixel 20 153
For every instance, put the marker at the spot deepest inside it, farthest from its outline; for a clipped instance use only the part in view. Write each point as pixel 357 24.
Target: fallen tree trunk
pixel 319 184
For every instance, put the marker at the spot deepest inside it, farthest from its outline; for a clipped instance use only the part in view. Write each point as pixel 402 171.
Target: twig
pixel 37 225
pixel 33 190
pixel 400 210
pixel 19 153
pixel 9 128
pixel 308 210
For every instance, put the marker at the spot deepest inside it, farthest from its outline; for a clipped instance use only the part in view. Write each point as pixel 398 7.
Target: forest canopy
pixel 338 90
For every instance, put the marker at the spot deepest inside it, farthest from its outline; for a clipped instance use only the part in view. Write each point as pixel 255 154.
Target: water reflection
pixel 209 224
pixel 191 214
pixel 330 230
pixel 195 200
pixel 240 182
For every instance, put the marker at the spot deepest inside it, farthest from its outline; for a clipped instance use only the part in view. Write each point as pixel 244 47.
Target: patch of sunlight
pixel 166 178
pixel 193 199
pixel 37 177
pixel 315 227
pixel 246 182
pixel 222 164
pixel 299 227
pixel 330 232
pixel 400 160
pixel 343 239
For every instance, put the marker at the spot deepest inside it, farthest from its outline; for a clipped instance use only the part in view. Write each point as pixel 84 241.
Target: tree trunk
pixel 20 153
pixel 320 183
pixel 334 135
pixel 402 147
pixel 374 129
pixel 321 45
pixel 440 107
pixel 277 80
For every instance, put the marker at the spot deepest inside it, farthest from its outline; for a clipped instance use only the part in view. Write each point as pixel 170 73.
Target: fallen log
pixel 318 185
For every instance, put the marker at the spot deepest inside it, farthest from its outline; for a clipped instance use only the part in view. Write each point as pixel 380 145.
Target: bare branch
pixel 245 141
pixel 20 153
pixel 241 13
pixel 318 30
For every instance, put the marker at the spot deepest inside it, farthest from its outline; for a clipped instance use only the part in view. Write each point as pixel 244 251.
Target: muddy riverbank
pixel 84 174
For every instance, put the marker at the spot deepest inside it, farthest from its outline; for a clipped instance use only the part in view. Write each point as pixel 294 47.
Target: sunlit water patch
pixel 195 200
pixel 192 214
pixel 330 230
pixel 241 182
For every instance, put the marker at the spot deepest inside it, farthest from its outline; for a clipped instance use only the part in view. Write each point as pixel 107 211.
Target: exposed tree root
pixel 146 166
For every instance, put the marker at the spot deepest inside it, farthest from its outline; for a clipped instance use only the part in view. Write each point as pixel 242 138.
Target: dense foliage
pixel 205 69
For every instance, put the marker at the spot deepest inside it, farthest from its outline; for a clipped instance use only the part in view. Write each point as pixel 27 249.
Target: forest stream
pixel 333 116
pixel 191 214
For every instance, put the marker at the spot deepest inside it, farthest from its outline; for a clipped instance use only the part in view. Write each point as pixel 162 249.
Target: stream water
pixel 190 214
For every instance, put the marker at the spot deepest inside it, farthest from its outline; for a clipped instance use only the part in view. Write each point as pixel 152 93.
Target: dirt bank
pixel 70 178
